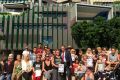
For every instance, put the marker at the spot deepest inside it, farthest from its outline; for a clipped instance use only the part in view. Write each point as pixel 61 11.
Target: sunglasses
pixel 73 51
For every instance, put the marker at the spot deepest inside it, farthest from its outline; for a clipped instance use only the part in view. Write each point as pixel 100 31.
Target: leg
pixel 9 76
pixel 13 76
pixel 54 74
pixel 2 77
pixel 68 73
pixel 25 76
pixel 47 75
pixel 59 76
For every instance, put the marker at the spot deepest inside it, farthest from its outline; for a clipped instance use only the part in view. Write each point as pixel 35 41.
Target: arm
pixel 118 57
pixel 70 58
pixel 91 76
pixel 34 67
pixel 54 63
pixel 85 76
pixel 96 66
pixel 14 66
pixel 43 67
pixel 108 60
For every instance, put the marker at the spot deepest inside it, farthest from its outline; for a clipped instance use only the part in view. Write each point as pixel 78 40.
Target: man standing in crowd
pixel 33 55
pixel 67 61
pixel 113 58
pixel 8 66
pixel 39 49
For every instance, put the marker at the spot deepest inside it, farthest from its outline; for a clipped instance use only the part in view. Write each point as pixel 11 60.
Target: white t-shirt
pixel 26 66
pixel 89 62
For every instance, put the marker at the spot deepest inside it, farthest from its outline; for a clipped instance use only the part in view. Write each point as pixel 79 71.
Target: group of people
pixel 42 63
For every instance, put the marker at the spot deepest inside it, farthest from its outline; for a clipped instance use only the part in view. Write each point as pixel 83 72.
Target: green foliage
pixel 5 13
pixel 116 2
pixel 98 32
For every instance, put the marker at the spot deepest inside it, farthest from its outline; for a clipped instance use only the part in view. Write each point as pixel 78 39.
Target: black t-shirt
pixel 37 65
pixel 0 68
pixel 9 68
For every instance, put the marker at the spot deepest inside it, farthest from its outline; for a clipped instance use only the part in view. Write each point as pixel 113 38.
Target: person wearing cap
pixel 47 67
pixel 69 48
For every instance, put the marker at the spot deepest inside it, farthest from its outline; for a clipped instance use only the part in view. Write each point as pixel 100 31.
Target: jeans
pixel 2 77
pixel 7 76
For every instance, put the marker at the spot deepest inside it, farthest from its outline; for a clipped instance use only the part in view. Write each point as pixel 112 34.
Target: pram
pixel 114 74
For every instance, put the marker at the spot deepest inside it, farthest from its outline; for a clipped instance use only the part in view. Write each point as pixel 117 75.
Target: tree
pixel 99 32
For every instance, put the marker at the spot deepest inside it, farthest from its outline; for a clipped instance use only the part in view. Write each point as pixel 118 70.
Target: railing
pixel 28 28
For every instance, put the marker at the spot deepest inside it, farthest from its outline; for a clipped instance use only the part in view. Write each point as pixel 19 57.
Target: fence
pixel 46 24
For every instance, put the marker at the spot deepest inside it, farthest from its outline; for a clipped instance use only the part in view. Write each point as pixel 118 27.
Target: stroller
pixel 114 74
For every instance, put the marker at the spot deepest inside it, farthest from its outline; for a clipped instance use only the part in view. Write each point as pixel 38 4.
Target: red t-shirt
pixel 39 50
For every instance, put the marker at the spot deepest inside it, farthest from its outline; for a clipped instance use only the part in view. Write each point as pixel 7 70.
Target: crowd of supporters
pixel 61 64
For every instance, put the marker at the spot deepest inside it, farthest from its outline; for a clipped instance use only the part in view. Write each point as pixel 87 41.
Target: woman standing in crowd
pixel 47 67
pixel 17 70
pixel 80 55
pixel 75 66
pixel 27 68
pixel 44 53
pixel 100 69
pixel 84 59
pixel 55 62
pixel 80 71
pixel 37 68
pixel 90 58
pixel 73 55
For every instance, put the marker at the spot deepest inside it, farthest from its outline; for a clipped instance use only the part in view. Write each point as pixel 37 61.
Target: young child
pixel 79 70
pixel 100 68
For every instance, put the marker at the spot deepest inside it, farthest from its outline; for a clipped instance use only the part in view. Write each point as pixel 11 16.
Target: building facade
pixel 47 22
